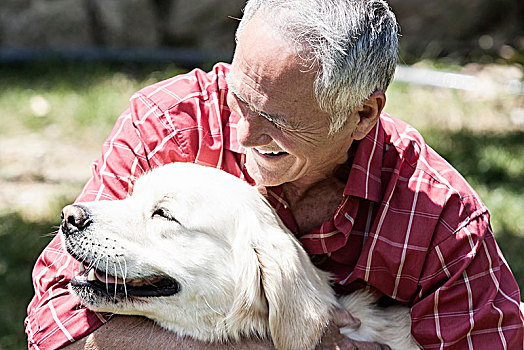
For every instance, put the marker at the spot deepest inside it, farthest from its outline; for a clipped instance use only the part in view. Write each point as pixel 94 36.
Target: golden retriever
pixel 203 254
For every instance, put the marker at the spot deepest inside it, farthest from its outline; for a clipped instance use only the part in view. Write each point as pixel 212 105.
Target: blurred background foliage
pixel 56 110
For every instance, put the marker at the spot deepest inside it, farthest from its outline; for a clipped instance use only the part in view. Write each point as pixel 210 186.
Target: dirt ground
pixel 37 170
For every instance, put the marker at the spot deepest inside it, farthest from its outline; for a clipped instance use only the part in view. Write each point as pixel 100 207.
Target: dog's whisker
pixel 125 267
pixel 85 257
pixel 116 279
pixel 51 234
pixel 107 267
pixel 83 260
pixel 60 254
pixel 123 277
pixel 94 263
pixel 97 261
pixel 55 260
pixel 58 260
pixel 96 258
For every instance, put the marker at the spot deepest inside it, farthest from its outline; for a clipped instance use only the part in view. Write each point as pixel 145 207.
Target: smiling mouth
pixel 112 287
pixel 270 154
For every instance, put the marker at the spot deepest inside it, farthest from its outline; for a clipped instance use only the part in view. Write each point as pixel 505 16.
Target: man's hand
pixel 333 340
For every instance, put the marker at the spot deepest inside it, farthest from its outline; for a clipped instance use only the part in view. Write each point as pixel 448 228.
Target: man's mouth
pixel 270 154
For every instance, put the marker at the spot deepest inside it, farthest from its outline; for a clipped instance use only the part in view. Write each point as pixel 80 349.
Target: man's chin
pixel 265 177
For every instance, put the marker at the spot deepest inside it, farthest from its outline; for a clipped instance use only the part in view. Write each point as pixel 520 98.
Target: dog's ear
pixel 297 296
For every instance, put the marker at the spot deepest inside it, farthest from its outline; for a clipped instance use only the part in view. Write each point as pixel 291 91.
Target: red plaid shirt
pixel 408 224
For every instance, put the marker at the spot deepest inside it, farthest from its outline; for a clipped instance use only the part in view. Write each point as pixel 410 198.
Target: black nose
pixel 74 218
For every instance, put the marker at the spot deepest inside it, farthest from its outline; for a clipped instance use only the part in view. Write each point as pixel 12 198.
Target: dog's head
pixel 202 253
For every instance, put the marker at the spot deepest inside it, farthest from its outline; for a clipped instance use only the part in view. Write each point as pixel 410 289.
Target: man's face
pixel 281 125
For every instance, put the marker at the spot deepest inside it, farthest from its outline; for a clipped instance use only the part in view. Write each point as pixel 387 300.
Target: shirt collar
pixel 364 178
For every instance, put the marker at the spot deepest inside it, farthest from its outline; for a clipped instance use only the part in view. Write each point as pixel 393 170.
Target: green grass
pixel 473 133
pixel 21 242
pixel 83 98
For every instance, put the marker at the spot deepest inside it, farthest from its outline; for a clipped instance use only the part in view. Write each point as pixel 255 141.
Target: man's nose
pixel 253 130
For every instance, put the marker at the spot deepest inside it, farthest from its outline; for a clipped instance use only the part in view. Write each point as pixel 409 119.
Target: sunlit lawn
pixel 79 103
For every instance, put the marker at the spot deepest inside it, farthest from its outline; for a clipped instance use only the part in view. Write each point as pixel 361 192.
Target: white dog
pixel 203 254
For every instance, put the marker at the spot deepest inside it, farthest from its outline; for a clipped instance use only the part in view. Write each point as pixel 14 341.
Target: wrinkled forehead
pixel 262 40
pixel 269 75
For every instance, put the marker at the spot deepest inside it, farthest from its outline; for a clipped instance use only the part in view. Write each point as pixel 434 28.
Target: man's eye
pixel 278 126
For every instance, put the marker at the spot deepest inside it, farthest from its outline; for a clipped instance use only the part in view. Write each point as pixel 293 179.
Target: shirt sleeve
pixel 468 296
pixel 55 317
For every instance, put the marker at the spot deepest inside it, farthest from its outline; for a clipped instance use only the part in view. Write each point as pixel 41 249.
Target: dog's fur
pixel 234 269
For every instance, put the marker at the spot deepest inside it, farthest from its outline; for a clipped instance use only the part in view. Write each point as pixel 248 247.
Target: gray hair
pixel 353 42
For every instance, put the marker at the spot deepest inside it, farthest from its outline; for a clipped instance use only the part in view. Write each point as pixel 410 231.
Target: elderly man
pixel 299 112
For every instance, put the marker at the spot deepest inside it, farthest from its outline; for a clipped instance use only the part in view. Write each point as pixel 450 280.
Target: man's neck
pixel 301 189
pixel 314 205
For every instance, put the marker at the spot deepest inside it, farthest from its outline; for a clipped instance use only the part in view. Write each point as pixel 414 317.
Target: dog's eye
pixel 163 213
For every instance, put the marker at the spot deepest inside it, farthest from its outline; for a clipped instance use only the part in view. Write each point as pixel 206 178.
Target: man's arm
pixel 137 333
pixel 469 297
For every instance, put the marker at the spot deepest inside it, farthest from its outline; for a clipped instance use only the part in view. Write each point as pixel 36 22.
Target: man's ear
pixel 368 114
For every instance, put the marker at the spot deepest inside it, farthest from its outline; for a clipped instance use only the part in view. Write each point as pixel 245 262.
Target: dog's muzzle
pixel 76 220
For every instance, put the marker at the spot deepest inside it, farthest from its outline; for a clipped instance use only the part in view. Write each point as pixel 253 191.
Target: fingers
pixel 358 345
pixel 367 346
pixel 350 344
pixel 333 339
pixel 342 318
pixel 262 190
